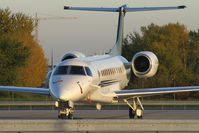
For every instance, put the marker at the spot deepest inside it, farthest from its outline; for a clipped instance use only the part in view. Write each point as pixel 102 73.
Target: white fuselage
pixel 92 78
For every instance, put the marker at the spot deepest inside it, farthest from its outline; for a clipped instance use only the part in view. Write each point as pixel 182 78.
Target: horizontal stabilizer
pixel 125 8
pixel 91 9
pixel 153 8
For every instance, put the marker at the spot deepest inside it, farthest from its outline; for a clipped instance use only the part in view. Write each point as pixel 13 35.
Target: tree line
pixel 177 50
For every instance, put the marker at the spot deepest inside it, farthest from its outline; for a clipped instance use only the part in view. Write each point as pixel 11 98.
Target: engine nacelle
pixel 71 55
pixel 145 64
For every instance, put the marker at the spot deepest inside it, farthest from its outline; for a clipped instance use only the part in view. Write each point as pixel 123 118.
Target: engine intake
pixel 71 55
pixel 144 64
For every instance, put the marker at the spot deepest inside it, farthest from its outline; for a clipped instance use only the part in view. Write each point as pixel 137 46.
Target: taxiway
pixel 103 114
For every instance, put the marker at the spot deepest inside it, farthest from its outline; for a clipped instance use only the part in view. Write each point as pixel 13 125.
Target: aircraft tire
pixel 139 113
pixel 131 113
pixel 70 116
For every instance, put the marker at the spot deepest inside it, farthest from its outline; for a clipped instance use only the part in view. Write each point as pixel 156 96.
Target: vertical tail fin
pixel 117 49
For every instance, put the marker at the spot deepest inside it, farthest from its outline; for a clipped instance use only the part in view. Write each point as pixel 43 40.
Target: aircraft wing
pixel 154 91
pixel 41 91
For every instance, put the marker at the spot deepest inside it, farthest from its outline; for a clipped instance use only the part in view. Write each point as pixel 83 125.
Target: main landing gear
pixel 65 109
pixel 135 109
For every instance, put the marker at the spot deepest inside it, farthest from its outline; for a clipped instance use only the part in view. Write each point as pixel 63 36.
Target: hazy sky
pixel 95 32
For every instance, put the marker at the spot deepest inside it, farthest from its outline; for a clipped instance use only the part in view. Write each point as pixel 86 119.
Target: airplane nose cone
pixel 68 88
pixel 62 93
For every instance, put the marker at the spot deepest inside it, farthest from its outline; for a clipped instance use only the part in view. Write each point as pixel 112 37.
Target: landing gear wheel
pixel 62 116
pixel 70 116
pixel 139 113
pixel 131 113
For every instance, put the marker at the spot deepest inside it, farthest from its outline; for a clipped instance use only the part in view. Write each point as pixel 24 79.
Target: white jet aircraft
pixel 102 78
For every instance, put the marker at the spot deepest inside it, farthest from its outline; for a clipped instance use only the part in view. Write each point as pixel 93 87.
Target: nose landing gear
pixel 65 109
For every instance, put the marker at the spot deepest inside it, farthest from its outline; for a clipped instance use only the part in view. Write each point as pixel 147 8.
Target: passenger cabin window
pixel 77 70
pixel 61 70
pixel 88 71
pixel 112 71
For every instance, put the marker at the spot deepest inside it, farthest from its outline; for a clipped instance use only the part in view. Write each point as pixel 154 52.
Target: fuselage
pixel 89 78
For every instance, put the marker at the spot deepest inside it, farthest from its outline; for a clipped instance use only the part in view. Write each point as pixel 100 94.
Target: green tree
pixel 19 28
pixel 176 53
pixel 12 55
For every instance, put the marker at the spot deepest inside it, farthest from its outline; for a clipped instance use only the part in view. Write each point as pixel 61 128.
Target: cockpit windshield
pixel 61 70
pixel 88 71
pixel 72 70
pixel 77 70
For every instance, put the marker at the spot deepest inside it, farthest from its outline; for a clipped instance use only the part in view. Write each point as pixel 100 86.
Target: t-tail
pixel 117 49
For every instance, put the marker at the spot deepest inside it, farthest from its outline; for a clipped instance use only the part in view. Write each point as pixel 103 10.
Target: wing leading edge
pixel 41 91
pixel 154 91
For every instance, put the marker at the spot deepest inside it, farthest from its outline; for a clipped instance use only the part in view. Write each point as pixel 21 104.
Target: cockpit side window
pixel 61 70
pixel 88 71
pixel 77 70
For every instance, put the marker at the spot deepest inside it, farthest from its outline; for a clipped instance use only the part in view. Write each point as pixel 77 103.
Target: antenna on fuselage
pixel 117 49
pixel 52 59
